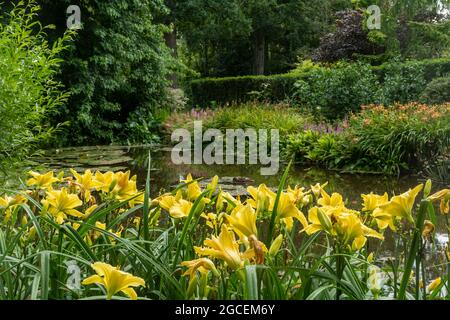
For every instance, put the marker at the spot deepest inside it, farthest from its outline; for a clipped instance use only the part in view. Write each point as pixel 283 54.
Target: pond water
pixel 165 174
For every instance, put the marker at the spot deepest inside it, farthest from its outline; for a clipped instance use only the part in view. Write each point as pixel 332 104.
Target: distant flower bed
pixel 383 139
pixel 193 243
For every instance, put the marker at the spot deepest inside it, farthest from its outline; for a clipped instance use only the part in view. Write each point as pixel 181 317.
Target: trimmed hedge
pixel 219 91
pixel 437 91
pixel 433 68
pixel 208 91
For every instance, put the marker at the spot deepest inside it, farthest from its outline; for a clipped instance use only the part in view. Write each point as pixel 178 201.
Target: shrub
pixel 432 68
pixel 437 91
pixel 29 92
pixel 220 91
pixel 349 39
pixel 403 83
pixel 117 71
pixel 337 90
pixel 380 139
pixel 400 137
pixel 210 92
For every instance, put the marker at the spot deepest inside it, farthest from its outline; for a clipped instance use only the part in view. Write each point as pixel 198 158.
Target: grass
pixel 255 115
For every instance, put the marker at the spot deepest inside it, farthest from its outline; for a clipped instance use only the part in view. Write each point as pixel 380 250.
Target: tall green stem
pixel 414 250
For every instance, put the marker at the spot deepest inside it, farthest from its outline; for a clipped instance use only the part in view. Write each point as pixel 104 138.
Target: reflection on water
pixel 165 174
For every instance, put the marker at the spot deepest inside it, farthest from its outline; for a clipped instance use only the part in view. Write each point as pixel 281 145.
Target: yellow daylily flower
pixel 297 194
pixel 193 189
pixel 373 201
pixel 287 209
pixel 8 201
pixel 60 204
pixel 243 221
pixel 213 185
pixel 384 219
pixel 167 201
pixel 89 210
pixel 10 204
pixel 226 197
pixel 43 181
pixel 343 223
pixel 350 228
pixel 180 209
pixel 319 220
pixel 85 182
pixel 126 187
pixel 317 188
pixel 440 195
pixel 262 198
pixel 402 205
pixel 335 200
pixel 114 280
pixel 105 182
pixel 224 248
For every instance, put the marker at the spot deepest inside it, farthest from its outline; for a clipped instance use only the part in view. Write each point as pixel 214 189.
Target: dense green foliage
pixel 116 70
pixel 29 91
pixel 242 116
pixel 378 139
pixel 220 91
pixel 335 91
pixel 233 37
pixel 408 79
pixel 437 91
pixel 350 40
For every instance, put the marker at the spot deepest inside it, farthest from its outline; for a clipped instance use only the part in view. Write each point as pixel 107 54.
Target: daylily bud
pixel 24 221
pixel 433 285
pixel 60 175
pixel 263 202
pixel 370 257
pixel 32 233
pixel 427 189
pixel 276 245
pixel 375 280
pixel 219 202
pixel 113 184
pixel 325 221
pixel 307 199
pixel 213 185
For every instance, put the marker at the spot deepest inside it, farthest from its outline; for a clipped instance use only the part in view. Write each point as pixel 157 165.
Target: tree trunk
pixel 171 42
pixel 260 54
